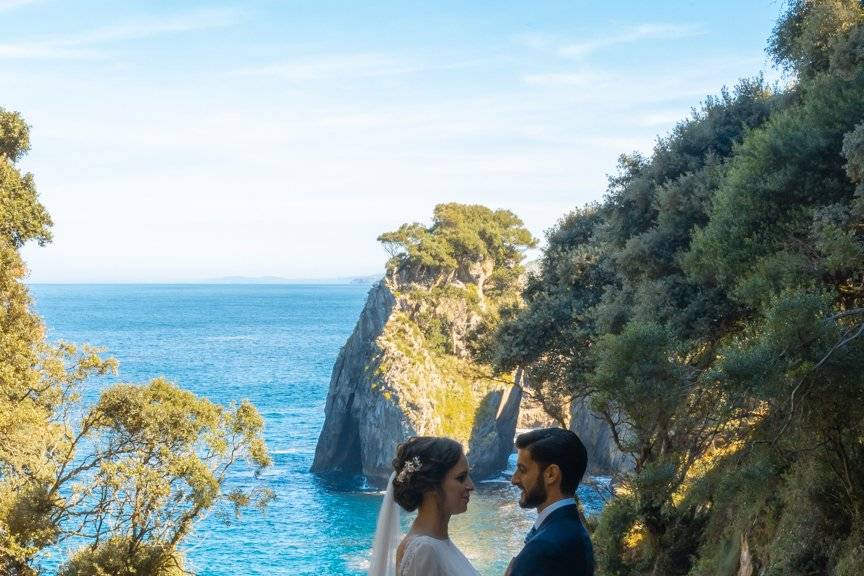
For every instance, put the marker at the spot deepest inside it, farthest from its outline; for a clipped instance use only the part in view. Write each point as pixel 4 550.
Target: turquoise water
pixel 274 345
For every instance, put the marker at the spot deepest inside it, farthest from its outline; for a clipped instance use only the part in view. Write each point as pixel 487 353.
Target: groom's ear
pixel 552 474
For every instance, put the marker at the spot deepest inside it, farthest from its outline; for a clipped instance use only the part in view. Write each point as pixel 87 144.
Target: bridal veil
pixel 383 561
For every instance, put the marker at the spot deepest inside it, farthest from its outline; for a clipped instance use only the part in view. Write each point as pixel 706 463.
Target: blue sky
pixel 181 141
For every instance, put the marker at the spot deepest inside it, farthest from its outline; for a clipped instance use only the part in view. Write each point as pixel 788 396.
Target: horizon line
pixel 225 280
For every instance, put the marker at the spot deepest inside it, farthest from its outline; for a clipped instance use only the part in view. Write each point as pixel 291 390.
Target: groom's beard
pixel 535 496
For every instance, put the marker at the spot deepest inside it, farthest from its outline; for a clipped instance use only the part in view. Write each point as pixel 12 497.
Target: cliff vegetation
pixel 451 280
pixel 711 309
pixel 414 363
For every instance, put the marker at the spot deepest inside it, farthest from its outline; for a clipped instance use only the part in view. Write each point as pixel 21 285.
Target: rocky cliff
pixel 604 457
pixel 406 370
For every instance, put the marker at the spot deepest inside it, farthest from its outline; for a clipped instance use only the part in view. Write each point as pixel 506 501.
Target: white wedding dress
pixel 428 556
pixel 423 555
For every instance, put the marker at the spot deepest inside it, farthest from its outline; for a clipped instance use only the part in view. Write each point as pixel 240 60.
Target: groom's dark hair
pixel 560 447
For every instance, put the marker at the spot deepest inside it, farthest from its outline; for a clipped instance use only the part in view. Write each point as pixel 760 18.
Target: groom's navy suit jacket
pixel 559 547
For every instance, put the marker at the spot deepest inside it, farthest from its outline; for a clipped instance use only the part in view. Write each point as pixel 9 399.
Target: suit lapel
pixel 552 519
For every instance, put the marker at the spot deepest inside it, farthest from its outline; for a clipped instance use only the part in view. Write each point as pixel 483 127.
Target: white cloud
pixel 84 45
pixel 148 27
pixel 536 40
pixel 44 50
pixel 663 118
pixel 330 66
pixel 631 35
pixel 560 79
pixel 341 66
pixel 12 4
pixel 151 170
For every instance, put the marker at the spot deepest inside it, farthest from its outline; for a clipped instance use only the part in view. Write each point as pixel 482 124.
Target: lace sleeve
pixel 420 558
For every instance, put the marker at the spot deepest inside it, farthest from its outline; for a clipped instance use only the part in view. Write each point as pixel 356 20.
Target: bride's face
pixel 456 488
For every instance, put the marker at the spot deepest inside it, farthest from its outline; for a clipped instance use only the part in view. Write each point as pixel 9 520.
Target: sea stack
pixel 388 384
pixel 413 363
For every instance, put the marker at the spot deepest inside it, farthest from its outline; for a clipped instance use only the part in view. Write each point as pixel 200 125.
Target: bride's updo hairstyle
pixel 421 464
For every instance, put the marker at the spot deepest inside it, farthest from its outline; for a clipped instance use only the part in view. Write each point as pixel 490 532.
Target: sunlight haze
pixel 192 141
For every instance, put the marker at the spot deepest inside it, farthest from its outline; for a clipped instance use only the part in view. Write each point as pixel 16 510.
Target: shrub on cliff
pixel 469 243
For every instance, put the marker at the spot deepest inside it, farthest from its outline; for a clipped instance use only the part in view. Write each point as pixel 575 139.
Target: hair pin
pixel 409 469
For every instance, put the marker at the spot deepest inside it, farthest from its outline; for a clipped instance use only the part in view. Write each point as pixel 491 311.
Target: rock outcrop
pixel 406 371
pixel 604 457
pixel 354 413
pixel 492 438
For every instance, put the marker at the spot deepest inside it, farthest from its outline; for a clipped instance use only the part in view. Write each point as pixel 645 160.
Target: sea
pixel 275 345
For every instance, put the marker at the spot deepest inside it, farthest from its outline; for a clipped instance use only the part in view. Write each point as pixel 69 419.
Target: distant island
pixel 369 279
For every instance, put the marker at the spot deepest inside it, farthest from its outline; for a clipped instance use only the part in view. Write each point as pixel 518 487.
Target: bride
pixel 430 475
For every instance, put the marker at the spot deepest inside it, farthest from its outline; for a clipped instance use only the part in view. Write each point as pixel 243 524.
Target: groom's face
pixel 528 477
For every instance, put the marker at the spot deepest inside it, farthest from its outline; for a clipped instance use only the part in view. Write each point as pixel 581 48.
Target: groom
pixel 549 467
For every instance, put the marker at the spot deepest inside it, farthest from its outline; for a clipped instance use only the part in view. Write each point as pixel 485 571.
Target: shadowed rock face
pixel 386 387
pixel 348 438
pixel 492 438
pixel 604 457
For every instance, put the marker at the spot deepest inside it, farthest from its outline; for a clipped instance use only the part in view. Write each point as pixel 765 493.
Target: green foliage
pixel 113 558
pixel 129 476
pixel 550 337
pixel 22 217
pixel 27 401
pixel 743 493
pixel 617 538
pixel 634 372
pixel 470 243
pixel 805 39
pixel 853 151
pixel 162 456
pixel 14 136
pixel 781 175
pixel 711 308
pixel 414 371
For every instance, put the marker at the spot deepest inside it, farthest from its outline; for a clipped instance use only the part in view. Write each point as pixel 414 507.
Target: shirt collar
pixel 551 508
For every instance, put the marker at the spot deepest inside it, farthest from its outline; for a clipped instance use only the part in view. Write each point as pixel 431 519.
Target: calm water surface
pixel 274 345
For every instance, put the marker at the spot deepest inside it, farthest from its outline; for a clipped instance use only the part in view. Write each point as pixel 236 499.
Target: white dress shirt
pixel 551 508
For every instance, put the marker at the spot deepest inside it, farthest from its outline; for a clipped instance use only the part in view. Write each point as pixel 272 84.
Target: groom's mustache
pixel 533 497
